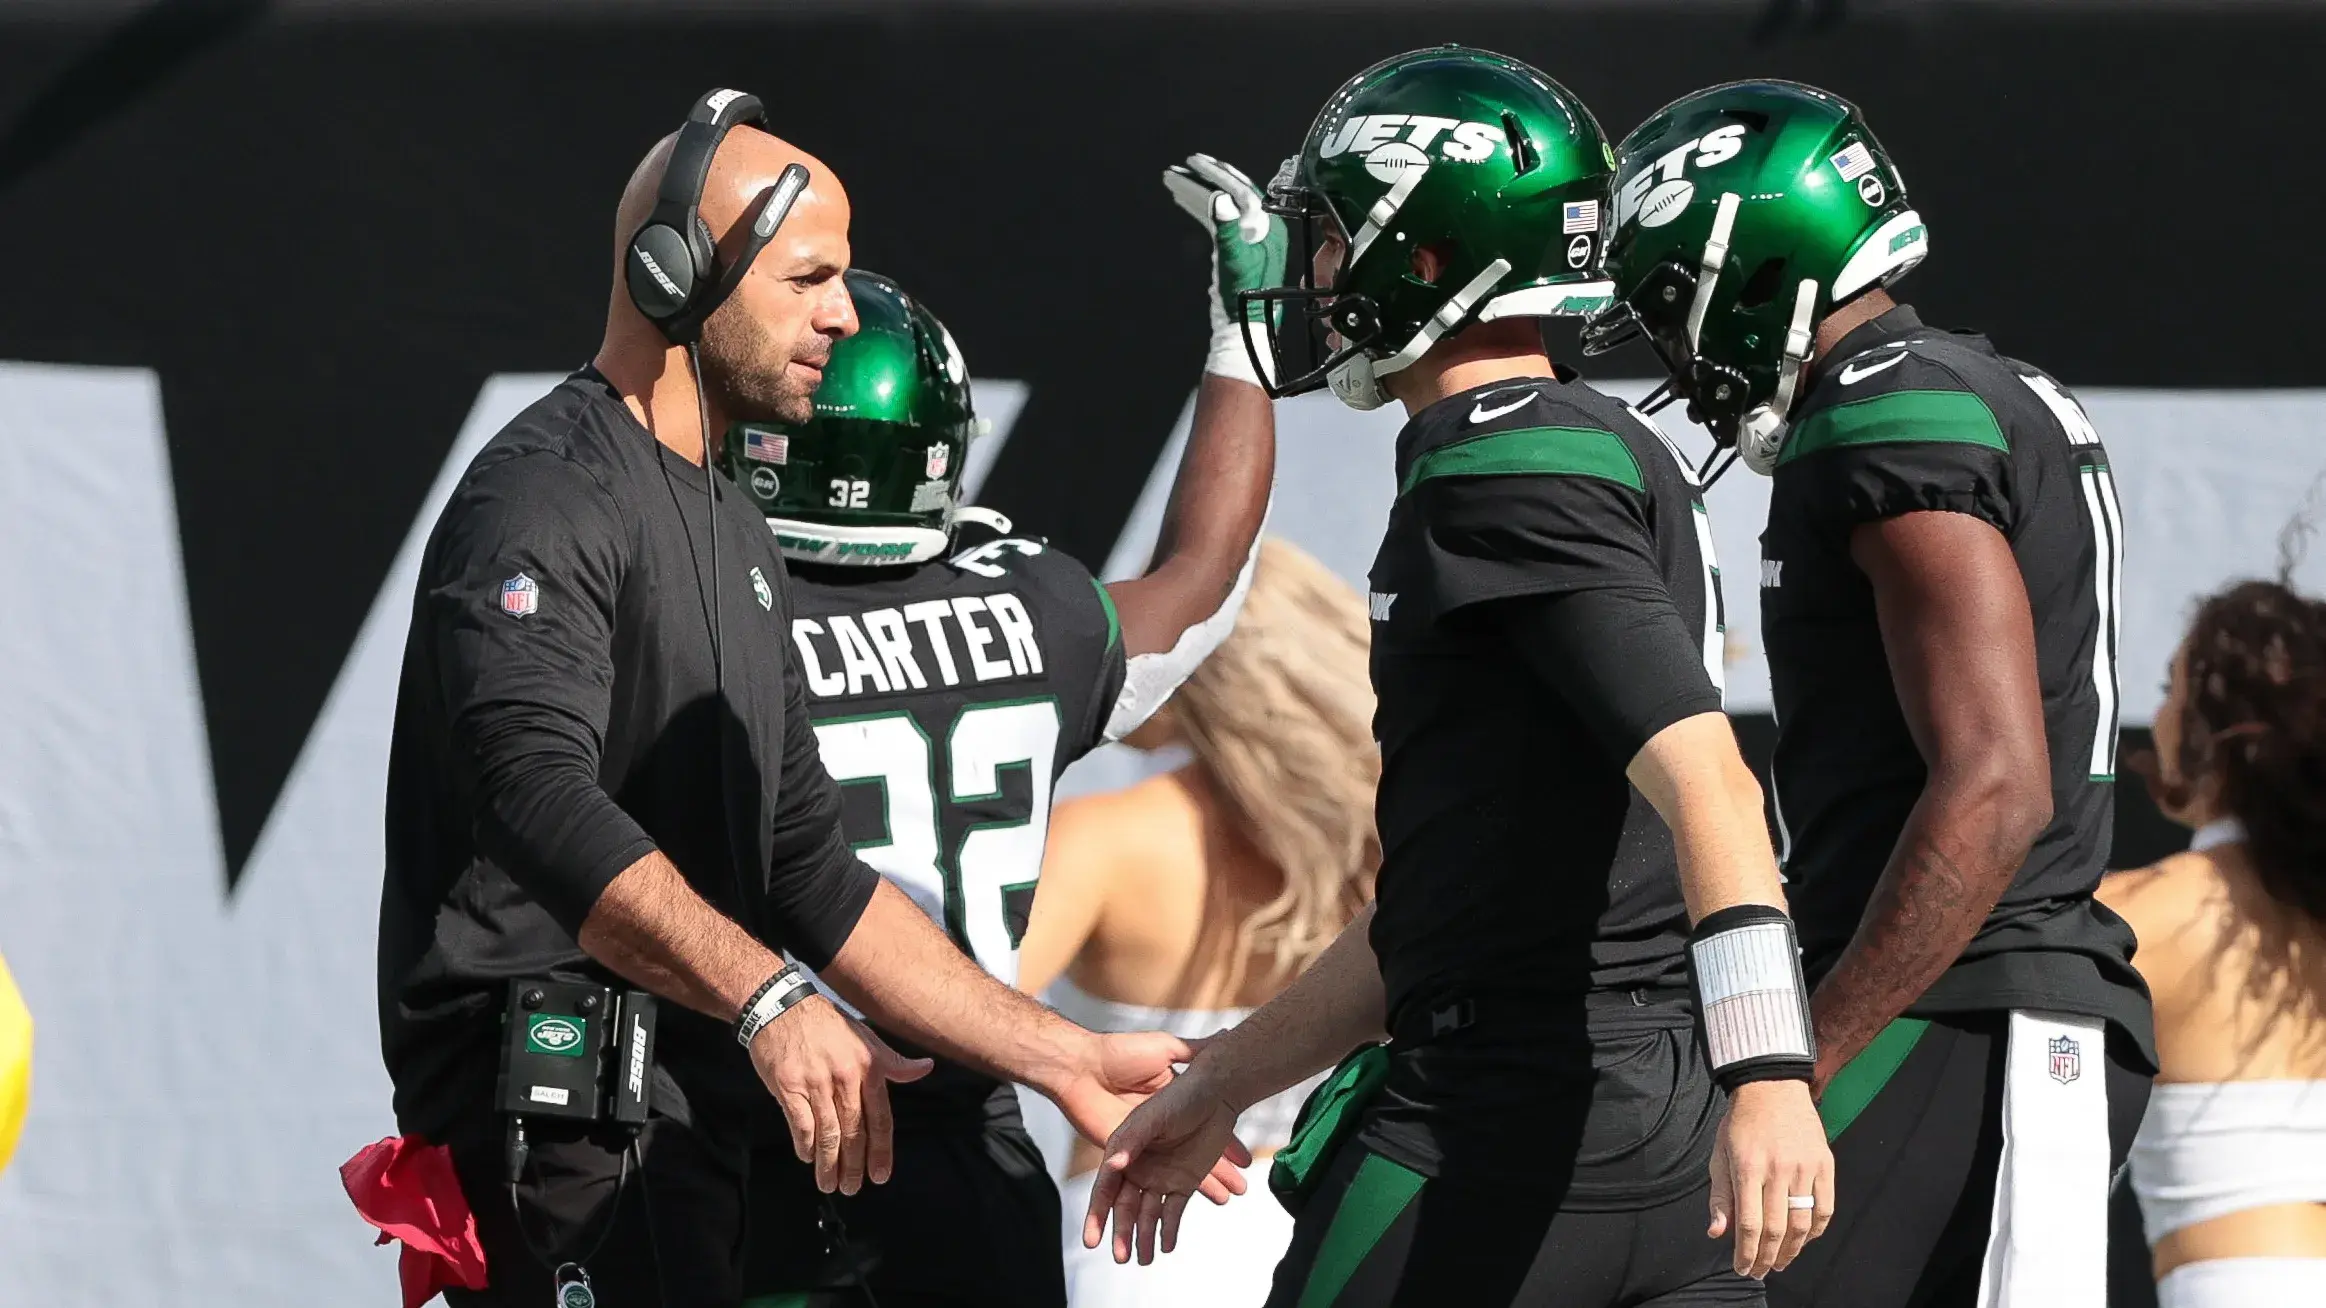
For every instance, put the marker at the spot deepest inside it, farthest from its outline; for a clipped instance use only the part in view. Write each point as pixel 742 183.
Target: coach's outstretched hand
pixel 831 1073
pixel 1771 1147
pixel 1172 1145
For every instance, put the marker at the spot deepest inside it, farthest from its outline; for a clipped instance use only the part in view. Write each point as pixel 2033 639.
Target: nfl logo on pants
pixel 2066 1063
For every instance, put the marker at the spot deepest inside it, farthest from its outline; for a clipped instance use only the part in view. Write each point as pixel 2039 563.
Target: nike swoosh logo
pixel 1484 414
pixel 1851 372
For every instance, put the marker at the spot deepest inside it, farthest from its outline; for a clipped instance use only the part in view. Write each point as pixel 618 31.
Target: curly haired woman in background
pixel 1186 901
pixel 2230 1163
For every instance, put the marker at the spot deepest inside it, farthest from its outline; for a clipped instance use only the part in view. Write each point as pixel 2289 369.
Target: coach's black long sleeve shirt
pixel 559 717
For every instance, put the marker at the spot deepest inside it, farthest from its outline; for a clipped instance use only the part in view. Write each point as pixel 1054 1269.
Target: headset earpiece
pixel 671 266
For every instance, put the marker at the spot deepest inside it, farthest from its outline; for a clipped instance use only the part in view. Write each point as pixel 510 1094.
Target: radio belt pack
pixel 584 1053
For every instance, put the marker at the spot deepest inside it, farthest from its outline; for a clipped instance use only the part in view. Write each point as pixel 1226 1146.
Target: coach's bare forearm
pixel 653 930
pixel 1330 1009
pixel 909 977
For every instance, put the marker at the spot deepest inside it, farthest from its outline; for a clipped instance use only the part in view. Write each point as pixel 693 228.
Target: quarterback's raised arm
pixel 1184 605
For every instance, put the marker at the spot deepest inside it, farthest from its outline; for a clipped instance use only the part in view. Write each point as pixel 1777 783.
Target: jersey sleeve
pixel 1621 657
pixel 1082 638
pixel 1925 444
pixel 1552 511
pixel 518 598
pixel 1086 613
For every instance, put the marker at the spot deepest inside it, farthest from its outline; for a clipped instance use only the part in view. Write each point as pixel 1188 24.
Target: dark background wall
pixel 325 229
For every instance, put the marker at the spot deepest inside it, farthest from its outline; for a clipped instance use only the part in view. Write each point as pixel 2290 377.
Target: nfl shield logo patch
pixel 2067 1063
pixel 940 458
pixel 520 595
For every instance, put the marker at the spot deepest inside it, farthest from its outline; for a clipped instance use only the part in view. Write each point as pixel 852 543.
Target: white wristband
pixel 786 988
pixel 1747 974
pixel 1230 358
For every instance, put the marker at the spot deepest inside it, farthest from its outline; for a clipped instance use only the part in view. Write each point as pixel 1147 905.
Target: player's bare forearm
pixel 1960 640
pixel 1330 1009
pixel 1958 853
pixel 1693 774
pixel 910 978
pixel 1217 503
pixel 653 930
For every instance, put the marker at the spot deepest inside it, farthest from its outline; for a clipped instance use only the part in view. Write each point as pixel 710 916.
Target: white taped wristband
pixel 1745 966
pixel 1149 679
pixel 774 997
pixel 1230 357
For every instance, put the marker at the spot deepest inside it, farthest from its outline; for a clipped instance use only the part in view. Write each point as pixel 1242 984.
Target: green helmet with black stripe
pixel 1498 170
pixel 1744 214
pixel 874 476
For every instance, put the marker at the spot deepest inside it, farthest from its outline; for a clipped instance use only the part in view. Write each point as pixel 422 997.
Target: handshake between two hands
pixel 830 1074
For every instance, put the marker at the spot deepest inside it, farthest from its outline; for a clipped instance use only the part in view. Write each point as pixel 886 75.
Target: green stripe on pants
pixel 1376 1195
pixel 1856 1084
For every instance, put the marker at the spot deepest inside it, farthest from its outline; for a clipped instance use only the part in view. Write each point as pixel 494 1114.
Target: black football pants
pixel 1378 1234
pixel 1915 1169
pixel 969 1219
pixel 668 1235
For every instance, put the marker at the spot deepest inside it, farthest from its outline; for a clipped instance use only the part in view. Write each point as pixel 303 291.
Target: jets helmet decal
pixel 874 477
pixel 1495 168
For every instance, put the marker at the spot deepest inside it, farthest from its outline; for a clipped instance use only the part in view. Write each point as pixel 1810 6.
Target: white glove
pixel 1248 245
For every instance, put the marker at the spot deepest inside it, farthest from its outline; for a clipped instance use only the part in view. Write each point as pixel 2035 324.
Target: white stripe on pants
pixel 2048 1245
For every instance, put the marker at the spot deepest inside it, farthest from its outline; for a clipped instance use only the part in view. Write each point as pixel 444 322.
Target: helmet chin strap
pixel 1356 381
pixel 1761 434
pixel 984 518
pixel 1708 271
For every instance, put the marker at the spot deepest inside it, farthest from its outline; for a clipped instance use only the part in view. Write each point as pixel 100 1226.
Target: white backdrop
pixel 205 1063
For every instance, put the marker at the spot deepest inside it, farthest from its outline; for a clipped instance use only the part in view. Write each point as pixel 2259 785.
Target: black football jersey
pixel 1905 418
pixel 947 698
pixel 1516 857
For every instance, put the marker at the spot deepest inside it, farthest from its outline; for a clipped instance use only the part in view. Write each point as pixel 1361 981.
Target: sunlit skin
pixel 2239 984
pixel 764 350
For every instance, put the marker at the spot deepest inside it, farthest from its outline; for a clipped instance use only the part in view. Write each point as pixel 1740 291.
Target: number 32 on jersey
pixel 932 786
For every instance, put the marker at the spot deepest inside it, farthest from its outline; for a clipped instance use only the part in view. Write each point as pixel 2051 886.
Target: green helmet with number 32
pixel 1494 167
pixel 874 477
pixel 1744 214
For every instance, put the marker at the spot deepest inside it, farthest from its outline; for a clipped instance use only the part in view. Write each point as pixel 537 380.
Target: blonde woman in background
pixel 2230 1163
pixel 1186 901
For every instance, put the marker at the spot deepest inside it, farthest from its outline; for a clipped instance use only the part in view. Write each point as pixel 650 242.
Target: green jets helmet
pixel 874 477
pixel 1497 168
pixel 1744 214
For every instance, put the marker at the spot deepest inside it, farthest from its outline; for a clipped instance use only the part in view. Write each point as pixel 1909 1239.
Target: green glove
pixel 1248 245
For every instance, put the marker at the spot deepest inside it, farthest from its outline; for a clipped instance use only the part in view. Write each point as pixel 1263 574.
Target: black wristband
pixel 774 997
pixel 1769 1069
